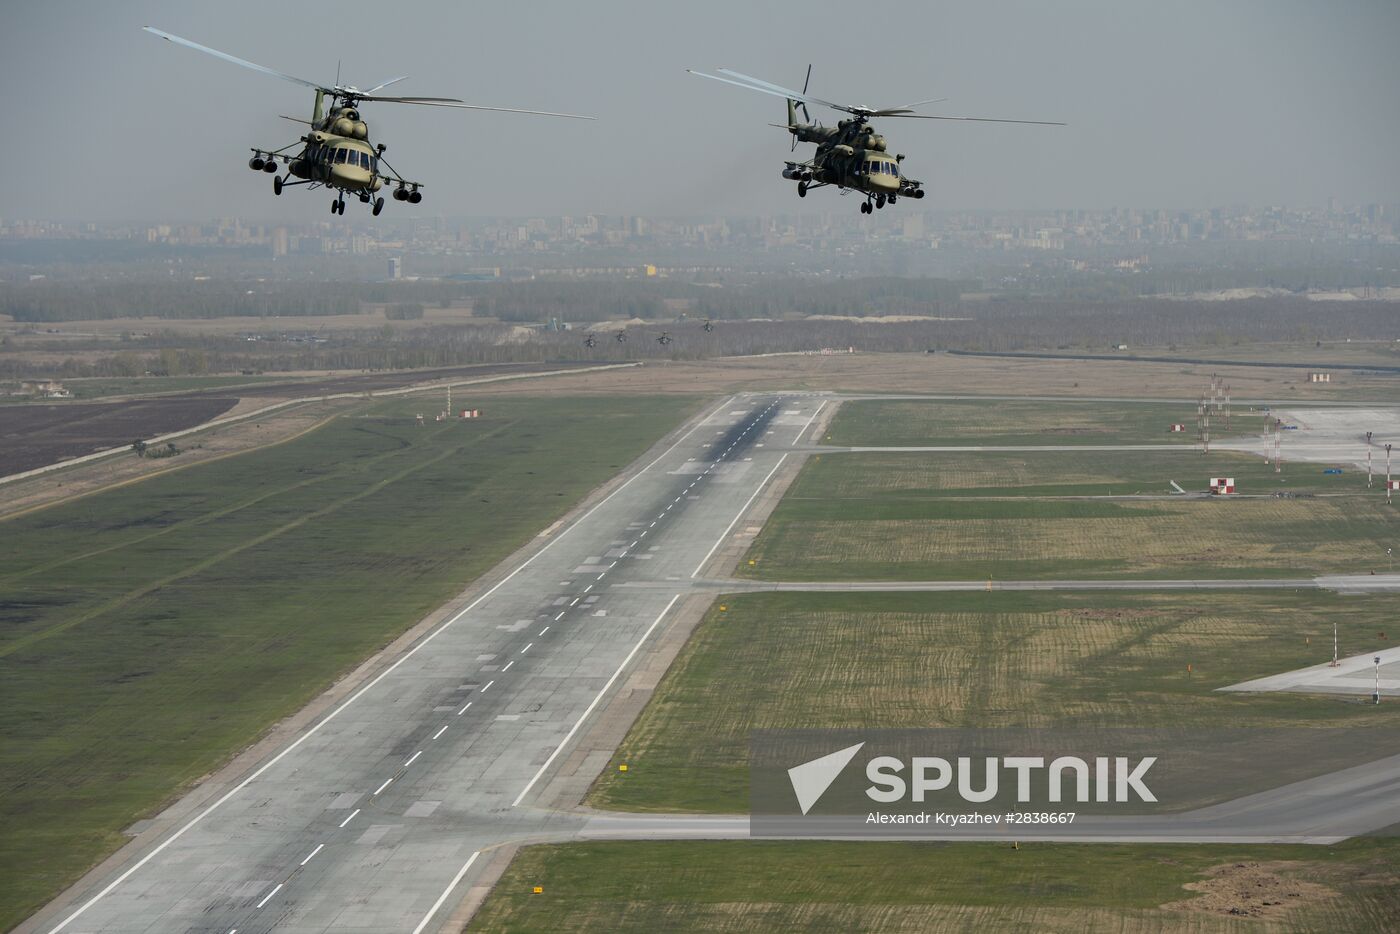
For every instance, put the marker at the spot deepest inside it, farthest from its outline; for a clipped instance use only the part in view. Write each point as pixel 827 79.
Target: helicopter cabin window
pixel 364 160
pixel 340 157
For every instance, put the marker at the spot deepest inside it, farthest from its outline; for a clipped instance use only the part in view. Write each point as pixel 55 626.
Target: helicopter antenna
pixel 337 72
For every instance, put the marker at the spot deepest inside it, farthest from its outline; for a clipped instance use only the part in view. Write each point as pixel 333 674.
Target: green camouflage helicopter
pixel 850 155
pixel 337 153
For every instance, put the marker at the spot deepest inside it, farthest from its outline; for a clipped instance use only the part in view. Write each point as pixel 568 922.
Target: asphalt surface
pixel 373 818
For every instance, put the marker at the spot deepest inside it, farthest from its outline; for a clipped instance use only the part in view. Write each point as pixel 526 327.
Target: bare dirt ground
pixel 941 373
pixel 36 435
pixel 1253 890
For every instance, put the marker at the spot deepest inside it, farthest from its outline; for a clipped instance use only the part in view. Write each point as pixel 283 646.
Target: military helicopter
pixel 850 155
pixel 709 325
pixel 590 341
pixel 337 153
pixel 664 339
pixel 622 336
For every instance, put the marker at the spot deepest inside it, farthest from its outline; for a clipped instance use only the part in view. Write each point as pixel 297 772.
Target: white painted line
pixel 380 677
pixel 268 896
pixel 809 423
pixel 613 565
pixel 507 666
pixel 570 735
pixel 559 617
pixel 488 685
pixel 446 892
pixel 441 730
pixel 319 848
pixel 412 758
pixel 600 576
pixel 743 509
pixel 383 786
pixel 588 588
pixel 544 630
pixel 574 601
pixel 464 709
pixel 350 818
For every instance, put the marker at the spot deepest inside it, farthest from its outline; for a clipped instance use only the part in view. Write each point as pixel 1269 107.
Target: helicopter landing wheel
pixel 865 207
pixel 891 199
pixel 277 185
pixel 879 201
pixel 378 206
pixel 801 189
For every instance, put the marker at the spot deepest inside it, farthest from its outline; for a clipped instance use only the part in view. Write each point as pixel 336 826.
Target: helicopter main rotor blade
pixel 382 86
pixel 453 102
pixel 234 59
pixel 774 90
pixel 758 84
pixel 972 119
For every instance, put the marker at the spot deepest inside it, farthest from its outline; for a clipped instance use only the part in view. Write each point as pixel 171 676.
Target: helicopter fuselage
pixel 337 162
pixel 850 155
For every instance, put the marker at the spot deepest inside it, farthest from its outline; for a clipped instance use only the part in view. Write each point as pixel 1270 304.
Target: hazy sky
pixel 1193 103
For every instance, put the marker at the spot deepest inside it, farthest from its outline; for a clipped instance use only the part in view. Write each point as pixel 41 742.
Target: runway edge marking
pixel 356 696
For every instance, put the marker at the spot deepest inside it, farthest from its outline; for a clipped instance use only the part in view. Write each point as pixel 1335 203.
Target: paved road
pixel 1351 583
pixel 374 817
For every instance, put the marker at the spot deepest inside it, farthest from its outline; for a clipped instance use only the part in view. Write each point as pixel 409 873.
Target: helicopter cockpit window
pixel 364 160
pixel 340 157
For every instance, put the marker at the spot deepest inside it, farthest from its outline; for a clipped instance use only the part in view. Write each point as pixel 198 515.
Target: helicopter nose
pixel 349 175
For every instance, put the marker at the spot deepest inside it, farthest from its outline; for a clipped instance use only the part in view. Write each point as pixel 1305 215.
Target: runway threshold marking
pixel 596 700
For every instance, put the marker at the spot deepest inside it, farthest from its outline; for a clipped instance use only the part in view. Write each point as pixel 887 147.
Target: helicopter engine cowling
pixel 843 150
pixel 876 142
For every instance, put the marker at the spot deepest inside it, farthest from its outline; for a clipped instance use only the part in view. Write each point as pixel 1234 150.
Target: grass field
pixel 913 887
pixel 890 661
pixel 1027 516
pixel 149 632
pixel 927 422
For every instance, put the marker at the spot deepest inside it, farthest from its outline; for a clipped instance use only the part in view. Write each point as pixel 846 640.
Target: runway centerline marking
pixel 350 818
pixel 527 648
pixel 412 757
pixel 464 709
pixel 487 686
pixel 544 630
pixel 386 784
pixel 268 897
pixel 106 890
pixel 570 735
pixel 319 848
pixel 441 730
pixel 507 666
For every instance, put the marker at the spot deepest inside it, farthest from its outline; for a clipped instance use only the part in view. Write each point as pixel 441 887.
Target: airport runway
pixel 373 819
